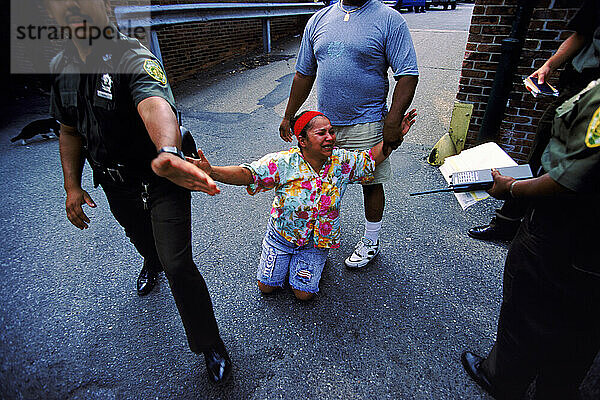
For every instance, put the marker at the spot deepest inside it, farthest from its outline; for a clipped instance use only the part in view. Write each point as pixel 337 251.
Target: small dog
pixel 47 128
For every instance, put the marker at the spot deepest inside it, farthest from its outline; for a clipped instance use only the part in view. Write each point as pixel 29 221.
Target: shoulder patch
pixel 154 69
pixel 592 137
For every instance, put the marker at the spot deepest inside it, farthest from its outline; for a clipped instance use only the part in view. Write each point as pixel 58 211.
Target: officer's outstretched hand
pixel 183 173
pixel 75 199
pixel 501 187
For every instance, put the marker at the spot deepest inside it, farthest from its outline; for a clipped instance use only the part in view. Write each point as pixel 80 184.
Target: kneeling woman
pixel 309 181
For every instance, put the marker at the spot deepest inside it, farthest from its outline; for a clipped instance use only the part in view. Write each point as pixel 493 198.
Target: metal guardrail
pixel 154 16
pixel 386 2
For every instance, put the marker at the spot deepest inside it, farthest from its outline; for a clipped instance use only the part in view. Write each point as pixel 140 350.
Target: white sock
pixel 372 230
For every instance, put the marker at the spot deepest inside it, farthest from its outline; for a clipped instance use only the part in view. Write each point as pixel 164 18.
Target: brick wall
pixel 491 22
pixel 193 47
pixel 187 48
pixel 190 48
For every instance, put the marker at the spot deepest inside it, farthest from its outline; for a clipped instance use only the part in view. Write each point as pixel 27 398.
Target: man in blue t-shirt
pixel 347 48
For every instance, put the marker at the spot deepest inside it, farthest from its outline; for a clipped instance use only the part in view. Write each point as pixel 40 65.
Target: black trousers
pixel 548 327
pixel 162 235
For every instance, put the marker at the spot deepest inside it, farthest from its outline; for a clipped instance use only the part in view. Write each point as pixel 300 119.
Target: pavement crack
pixel 92 389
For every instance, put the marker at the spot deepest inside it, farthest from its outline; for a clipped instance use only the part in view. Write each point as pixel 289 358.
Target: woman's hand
pixel 394 132
pixel 201 162
pixel 408 121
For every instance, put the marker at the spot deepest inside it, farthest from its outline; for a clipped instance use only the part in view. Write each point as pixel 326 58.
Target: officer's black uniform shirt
pixel 102 105
pixel 587 18
pixel 585 66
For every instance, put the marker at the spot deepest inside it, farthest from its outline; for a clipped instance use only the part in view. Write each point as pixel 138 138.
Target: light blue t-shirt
pixel 350 59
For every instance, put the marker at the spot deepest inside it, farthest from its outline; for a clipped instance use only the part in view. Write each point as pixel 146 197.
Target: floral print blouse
pixel 306 201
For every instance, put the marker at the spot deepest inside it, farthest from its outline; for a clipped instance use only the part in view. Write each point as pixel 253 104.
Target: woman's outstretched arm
pixel 230 174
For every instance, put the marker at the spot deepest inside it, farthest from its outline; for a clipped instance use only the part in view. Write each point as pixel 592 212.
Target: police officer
pixel 580 54
pixel 549 327
pixel 115 107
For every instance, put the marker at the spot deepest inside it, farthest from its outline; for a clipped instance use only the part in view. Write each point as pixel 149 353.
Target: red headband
pixel 303 120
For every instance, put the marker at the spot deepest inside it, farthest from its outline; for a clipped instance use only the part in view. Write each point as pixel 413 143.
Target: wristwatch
pixel 172 150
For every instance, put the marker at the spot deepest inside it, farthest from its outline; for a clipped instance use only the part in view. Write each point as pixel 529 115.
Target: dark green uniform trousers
pixel 549 325
pixel 162 233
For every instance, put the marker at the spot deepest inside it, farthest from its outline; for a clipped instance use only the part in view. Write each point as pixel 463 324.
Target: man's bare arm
pixel 301 86
pixel 72 160
pixel 401 99
pixel 163 128
pixel 567 50
pixel 71 156
pixel 542 186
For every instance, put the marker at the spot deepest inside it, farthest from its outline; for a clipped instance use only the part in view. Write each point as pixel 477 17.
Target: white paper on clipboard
pixel 487 155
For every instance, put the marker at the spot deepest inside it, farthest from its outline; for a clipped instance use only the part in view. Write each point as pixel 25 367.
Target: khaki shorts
pixel 363 137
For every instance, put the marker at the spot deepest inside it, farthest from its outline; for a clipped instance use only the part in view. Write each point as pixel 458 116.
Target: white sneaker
pixel 364 252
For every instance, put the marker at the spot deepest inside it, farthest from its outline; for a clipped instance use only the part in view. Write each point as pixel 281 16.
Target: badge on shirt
pixel 592 137
pixel 154 69
pixel 106 85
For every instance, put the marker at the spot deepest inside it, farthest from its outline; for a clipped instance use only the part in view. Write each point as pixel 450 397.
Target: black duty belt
pixel 116 173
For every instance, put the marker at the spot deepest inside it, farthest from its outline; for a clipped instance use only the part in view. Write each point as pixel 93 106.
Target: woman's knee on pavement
pixel 265 288
pixel 302 295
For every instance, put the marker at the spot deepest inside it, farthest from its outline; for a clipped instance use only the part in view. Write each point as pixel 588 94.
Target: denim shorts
pixel 363 137
pixel 281 258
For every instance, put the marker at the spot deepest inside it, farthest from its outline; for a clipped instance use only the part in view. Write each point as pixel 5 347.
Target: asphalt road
pixel 72 326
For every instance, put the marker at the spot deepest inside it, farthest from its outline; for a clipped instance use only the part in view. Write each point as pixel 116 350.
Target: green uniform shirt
pixel 102 105
pixel 572 157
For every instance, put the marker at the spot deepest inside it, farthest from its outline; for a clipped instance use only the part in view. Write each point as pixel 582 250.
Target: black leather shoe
pixel 496 230
pixel 146 280
pixel 471 363
pixel 218 364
